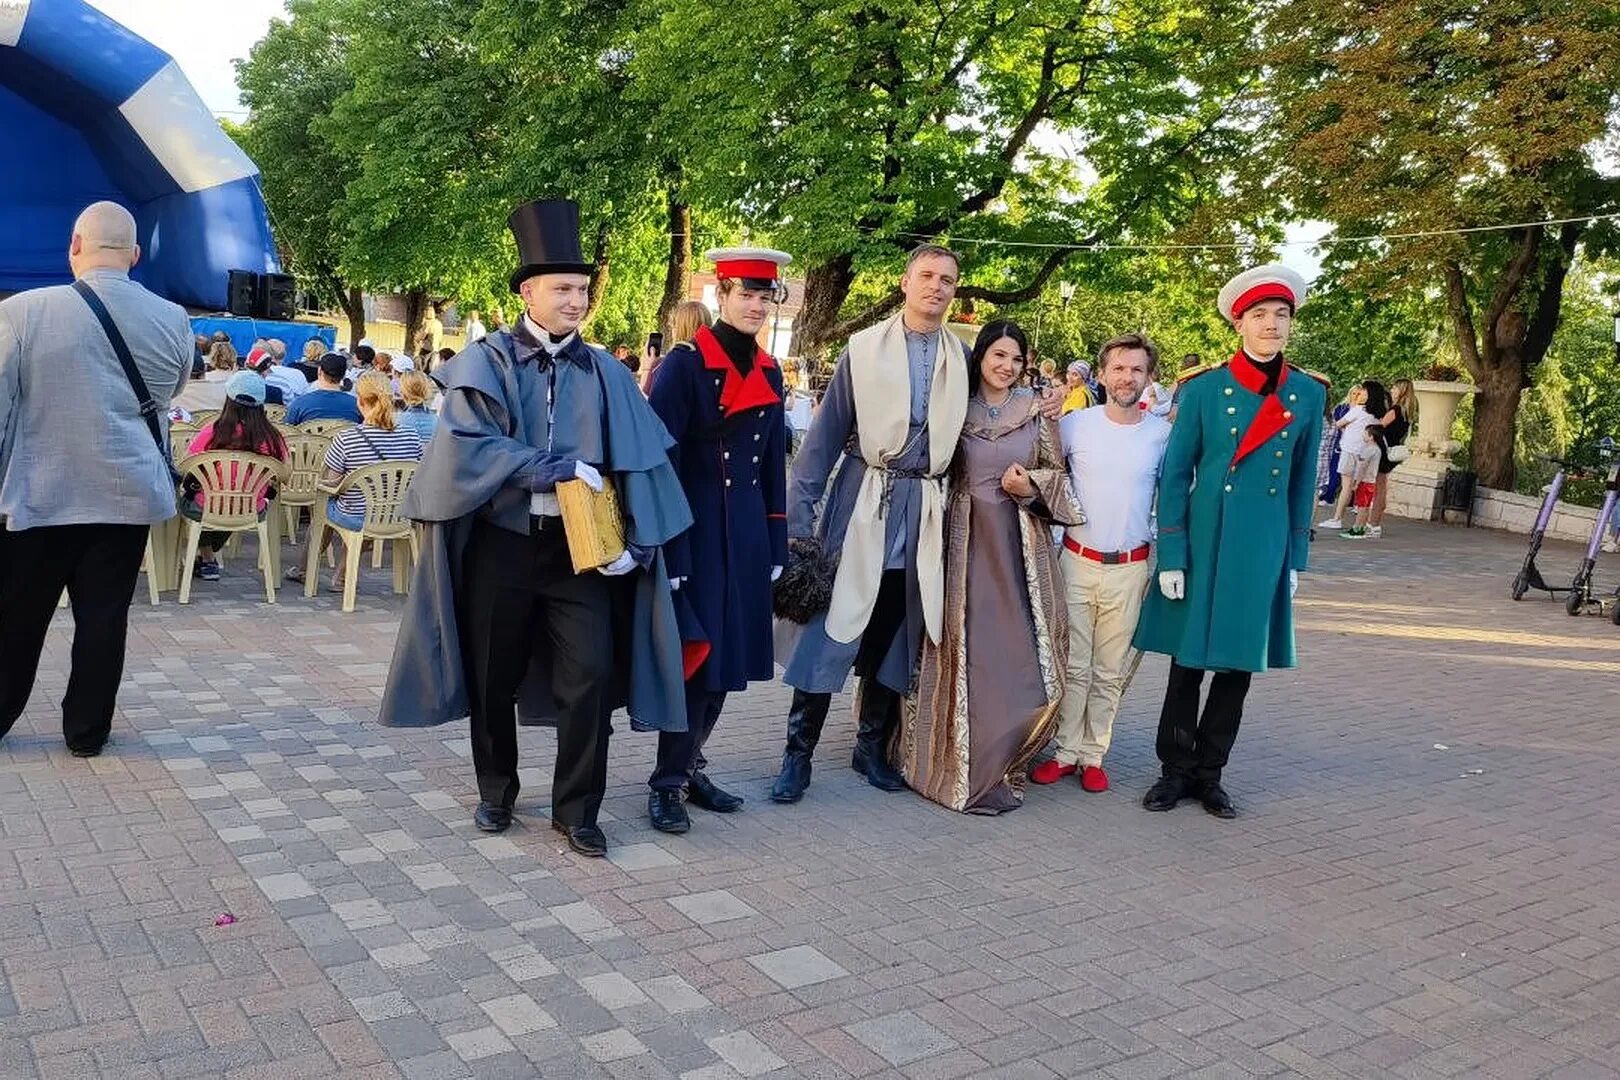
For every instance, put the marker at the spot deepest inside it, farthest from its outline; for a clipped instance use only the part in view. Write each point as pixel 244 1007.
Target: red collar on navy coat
pixel 740 391
pixel 1272 417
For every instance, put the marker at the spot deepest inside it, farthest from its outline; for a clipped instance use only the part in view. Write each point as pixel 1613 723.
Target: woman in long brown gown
pixel 987 695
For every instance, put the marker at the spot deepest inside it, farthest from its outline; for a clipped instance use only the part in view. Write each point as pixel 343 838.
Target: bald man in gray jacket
pixel 81 477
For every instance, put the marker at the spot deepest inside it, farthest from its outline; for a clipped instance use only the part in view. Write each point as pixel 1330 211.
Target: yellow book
pixel 592 522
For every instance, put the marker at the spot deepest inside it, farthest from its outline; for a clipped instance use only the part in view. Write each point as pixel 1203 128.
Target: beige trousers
pixel 1104 602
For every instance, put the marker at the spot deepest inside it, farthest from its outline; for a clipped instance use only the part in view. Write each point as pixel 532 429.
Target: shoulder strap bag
pixel 149 408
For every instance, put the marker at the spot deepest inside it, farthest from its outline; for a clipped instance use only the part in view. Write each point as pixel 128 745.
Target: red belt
pixel 1108 558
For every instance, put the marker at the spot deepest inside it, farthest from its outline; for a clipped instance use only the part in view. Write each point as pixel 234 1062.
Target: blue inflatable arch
pixel 90 111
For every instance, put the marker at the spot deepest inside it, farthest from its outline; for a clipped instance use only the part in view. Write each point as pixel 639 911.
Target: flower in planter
pixel 1440 372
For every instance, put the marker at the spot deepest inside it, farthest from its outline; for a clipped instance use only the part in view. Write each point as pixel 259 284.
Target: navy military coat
pixel 731 453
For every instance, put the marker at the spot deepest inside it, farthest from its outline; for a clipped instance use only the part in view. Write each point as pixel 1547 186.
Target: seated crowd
pixel 390 403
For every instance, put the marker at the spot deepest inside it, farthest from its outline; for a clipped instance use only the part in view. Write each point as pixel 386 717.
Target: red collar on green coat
pixel 740 391
pixel 1272 417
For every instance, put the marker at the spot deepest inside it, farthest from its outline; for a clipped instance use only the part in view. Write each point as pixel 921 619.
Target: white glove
pixel 1173 583
pixel 622 565
pixel 1293 583
pixel 587 472
pixel 776 572
pixel 675 583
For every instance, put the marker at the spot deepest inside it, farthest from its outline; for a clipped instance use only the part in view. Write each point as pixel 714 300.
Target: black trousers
pixel 680 753
pixel 98 566
pixel 520 594
pixel 888 619
pixel 1195 749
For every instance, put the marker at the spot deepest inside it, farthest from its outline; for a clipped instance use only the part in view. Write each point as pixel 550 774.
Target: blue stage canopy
pixel 90 111
pixel 244 332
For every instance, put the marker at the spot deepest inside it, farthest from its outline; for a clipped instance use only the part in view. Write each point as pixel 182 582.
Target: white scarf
pixel 880 376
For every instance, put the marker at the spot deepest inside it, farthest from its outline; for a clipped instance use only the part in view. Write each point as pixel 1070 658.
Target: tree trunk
pixel 826 286
pixel 678 267
pixel 602 275
pixel 415 305
pixel 1496 409
pixel 353 304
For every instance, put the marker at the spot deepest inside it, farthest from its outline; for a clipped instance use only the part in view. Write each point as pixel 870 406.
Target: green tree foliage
pixel 288 81
pixel 420 123
pixel 1412 115
pixel 1576 399
pixel 857 127
pixel 1351 336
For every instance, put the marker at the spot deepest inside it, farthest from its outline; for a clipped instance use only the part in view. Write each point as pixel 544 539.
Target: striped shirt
pixel 356 447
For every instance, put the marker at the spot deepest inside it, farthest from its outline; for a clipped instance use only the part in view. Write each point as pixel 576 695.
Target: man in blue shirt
pixel 328 400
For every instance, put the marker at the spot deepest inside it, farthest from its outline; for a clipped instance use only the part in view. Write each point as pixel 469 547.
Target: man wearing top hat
pixel 1236 492
pixel 496 603
pixel 721 399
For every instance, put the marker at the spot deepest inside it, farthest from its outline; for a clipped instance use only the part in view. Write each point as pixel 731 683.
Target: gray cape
pixel 464 476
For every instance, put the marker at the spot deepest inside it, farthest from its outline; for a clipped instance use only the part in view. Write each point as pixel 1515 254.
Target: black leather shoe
pixel 586 840
pixel 1165 793
pixel 705 794
pixel 491 818
pixel 86 751
pixel 1217 803
pixel 666 811
pixel 869 762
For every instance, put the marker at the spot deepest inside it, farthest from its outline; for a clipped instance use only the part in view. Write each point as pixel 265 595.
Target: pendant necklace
pixel 994 411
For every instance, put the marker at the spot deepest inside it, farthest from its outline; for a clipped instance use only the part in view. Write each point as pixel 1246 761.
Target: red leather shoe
pixel 1051 771
pixel 1093 779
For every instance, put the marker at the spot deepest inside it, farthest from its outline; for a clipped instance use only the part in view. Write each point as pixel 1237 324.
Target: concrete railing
pixel 1415 493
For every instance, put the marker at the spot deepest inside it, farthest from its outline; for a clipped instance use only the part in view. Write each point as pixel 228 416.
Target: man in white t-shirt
pixel 1113 455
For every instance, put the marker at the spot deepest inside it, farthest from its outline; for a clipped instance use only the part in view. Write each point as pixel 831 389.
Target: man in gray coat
pixel 81 476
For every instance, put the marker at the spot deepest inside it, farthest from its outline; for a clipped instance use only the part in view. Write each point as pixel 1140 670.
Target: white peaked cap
pixel 1274 281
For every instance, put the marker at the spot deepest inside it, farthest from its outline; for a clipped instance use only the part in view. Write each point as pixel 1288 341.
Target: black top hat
pixel 547 235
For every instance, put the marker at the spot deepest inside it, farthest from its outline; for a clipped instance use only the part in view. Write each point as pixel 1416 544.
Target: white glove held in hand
pixel 587 472
pixel 1173 583
pixel 776 572
pixel 622 565
pixel 675 583
pixel 1293 583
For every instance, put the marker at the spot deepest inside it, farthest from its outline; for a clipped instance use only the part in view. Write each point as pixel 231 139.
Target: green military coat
pixel 1236 493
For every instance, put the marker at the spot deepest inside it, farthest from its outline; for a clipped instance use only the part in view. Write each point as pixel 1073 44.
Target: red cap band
pixel 746 268
pixel 1266 290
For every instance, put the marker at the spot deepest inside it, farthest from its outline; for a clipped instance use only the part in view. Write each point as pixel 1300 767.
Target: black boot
pixel 879 713
pixel 805 718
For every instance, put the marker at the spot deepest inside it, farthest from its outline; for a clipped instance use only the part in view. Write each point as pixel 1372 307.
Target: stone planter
pixel 1437 408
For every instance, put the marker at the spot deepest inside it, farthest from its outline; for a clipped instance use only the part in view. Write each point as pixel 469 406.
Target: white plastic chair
pixel 306 464
pixel 232 483
pixel 384 486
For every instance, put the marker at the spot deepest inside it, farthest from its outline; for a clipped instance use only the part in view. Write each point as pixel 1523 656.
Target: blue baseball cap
pixel 246 388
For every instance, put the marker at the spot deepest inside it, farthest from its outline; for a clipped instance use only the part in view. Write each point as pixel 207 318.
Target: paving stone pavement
pixel 1425 880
